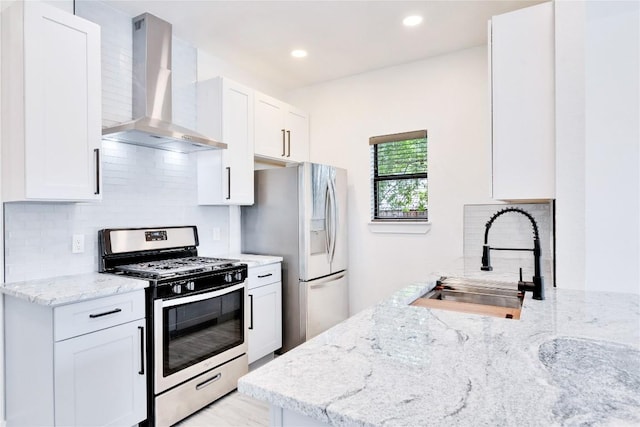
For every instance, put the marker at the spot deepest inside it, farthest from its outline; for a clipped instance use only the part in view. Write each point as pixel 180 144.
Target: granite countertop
pixel 61 290
pixel 252 260
pixel 69 289
pixel 572 359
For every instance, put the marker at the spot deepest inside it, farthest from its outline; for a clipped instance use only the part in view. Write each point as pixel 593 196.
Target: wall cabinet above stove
pixel 225 113
pixel 521 57
pixel 51 104
pixel 282 131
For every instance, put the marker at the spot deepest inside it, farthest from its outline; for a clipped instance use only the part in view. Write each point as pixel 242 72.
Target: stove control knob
pixel 177 289
pixel 191 285
pixel 228 278
pixel 238 275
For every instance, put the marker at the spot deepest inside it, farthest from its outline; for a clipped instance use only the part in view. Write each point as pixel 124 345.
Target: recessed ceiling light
pixel 298 53
pixel 412 21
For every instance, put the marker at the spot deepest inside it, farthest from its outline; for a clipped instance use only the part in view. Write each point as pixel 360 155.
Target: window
pixel 399 176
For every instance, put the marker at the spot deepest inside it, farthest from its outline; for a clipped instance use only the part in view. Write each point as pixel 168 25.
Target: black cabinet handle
pixel 251 311
pixel 289 142
pixel 228 182
pixel 283 143
pixel 141 329
pixel 106 313
pixel 264 275
pixel 96 151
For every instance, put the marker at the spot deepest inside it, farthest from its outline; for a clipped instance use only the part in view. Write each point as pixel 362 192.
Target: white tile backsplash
pixel 117 64
pixel 141 186
pixel 511 230
pixel 184 64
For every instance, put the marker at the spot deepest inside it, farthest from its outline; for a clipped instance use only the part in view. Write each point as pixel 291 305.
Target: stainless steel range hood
pixel 152 95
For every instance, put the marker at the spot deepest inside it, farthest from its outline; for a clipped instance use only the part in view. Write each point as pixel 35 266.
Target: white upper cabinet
pixel 51 104
pixel 521 57
pixel 225 113
pixel 282 131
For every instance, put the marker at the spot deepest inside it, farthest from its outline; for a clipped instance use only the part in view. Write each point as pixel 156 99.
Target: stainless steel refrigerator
pixel 300 214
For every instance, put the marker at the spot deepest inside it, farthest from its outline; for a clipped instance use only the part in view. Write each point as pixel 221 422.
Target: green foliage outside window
pixel 400 179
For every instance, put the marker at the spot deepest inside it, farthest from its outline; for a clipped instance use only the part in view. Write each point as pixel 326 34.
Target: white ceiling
pixel 342 37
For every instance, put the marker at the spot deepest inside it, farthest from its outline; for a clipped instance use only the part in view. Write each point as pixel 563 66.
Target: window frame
pixel 375 178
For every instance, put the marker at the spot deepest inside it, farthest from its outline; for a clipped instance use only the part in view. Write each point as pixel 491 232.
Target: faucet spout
pixel 536 286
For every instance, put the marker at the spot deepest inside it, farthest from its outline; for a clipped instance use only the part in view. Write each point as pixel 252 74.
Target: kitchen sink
pixel 474 296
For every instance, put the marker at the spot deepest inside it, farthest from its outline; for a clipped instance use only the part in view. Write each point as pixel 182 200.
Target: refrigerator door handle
pixel 320 283
pixel 333 221
pixel 327 222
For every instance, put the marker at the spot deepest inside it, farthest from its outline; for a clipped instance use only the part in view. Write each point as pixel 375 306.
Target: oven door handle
pixel 200 297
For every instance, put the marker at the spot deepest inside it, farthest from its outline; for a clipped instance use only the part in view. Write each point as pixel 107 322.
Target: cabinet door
pixel 270 133
pixel 62 105
pixel 523 115
pixel 297 128
pixel 225 112
pixel 265 325
pixel 100 378
pixel 237 131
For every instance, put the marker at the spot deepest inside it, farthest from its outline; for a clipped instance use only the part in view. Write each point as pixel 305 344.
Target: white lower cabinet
pixel 81 364
pixel 265 305
pixel 95 377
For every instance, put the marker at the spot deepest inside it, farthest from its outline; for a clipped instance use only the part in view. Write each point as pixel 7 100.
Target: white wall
pixel 210 66
pixel 570 148
pixel 598 145
pixel 448 96
pixel 612 74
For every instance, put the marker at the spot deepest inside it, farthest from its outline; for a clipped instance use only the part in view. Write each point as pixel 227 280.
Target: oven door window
pixel 196 331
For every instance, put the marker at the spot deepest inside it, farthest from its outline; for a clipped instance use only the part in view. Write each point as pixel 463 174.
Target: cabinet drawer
pixel 88 316
pixel 264 275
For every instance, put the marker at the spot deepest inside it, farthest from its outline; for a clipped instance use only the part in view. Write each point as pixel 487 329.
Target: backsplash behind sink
pixel 509 230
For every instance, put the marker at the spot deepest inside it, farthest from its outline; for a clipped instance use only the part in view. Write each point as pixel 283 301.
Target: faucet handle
pixel 520 274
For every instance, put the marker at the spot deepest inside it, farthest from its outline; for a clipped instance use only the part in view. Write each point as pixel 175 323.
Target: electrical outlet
pixel 77 244
pixel 216 233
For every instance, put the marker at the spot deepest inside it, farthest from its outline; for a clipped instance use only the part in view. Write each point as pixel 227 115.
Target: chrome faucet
pixel 537 285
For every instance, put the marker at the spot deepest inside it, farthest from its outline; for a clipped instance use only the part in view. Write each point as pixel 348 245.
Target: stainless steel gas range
pixel 196 316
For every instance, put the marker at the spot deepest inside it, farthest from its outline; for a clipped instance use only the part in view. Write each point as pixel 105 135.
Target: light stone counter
pixel 252 260
pixel 572 359
pixel 69 289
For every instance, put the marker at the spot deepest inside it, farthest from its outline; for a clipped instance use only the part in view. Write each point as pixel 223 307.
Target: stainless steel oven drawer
pixel 183 400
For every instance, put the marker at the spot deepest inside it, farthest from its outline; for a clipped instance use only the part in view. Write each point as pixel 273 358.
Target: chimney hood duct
pixel 152 95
